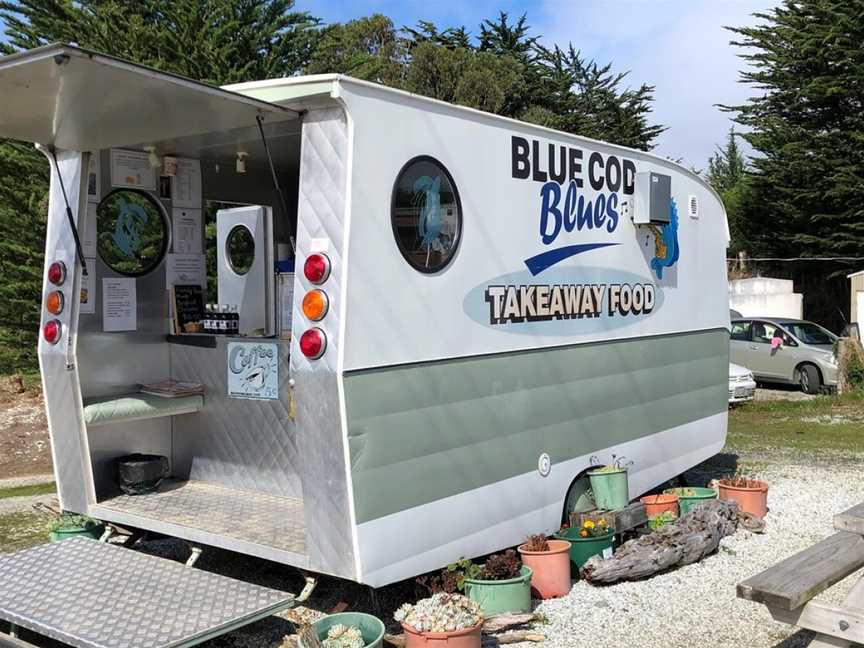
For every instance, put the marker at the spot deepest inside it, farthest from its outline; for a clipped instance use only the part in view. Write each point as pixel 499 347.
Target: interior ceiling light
pixel 241 161
pixel 152 158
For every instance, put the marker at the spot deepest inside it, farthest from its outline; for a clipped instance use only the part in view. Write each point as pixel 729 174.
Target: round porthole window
pixel 241 249
pixel 426 214
pixel 132 232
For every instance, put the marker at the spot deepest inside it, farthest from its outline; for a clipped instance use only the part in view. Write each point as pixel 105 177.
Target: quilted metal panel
pixel 267 520
pixel 95 595
pixel 245 444
pixel 63 404
pixel 320 438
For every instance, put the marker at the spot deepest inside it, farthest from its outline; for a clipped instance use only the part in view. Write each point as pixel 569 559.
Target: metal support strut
pixel 311 584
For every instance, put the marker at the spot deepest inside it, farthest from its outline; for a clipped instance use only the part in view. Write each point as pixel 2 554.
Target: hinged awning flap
pixel 74 99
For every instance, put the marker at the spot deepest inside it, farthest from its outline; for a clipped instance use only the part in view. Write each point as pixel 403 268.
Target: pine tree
pixel 807 126
pixel 805 193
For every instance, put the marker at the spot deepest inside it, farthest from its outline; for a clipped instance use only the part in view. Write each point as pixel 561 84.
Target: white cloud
pixel 679 46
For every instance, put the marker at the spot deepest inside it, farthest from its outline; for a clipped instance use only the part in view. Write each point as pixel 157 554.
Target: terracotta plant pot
pixel 659 504
pixel 551 577
pixel 467 638
pixel 752 498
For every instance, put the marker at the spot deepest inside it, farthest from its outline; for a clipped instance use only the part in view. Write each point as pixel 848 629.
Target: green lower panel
pixel 419 433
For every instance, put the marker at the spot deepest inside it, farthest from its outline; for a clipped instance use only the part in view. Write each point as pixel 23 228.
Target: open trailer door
pixel 74 99
pixel 77 101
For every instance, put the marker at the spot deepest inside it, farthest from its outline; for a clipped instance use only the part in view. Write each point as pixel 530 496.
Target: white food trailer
pixel 479 306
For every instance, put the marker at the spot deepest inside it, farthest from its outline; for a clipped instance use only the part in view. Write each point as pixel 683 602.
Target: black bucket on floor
pixel 137 474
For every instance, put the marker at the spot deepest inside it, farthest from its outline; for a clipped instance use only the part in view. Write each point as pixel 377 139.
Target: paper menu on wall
pixel 88 289
pixel 132 169
pixel 186 184
pixel 185 269
pixel 88 236
pixel 94 179
pixel 187 231
pixel 119 305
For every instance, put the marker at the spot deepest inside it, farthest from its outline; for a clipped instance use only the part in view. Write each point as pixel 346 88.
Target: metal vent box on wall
pixel 653 194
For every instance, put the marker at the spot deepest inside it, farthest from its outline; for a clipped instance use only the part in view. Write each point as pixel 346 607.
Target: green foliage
pixel 659 521
pixel 806 124
pixel 73 521
pixel 504 70
pixel 727 173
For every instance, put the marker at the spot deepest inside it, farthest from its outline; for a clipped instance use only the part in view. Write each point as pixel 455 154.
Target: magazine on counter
pixel 172 388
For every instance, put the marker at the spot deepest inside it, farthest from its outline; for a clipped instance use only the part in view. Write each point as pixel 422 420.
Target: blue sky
pixel 679 46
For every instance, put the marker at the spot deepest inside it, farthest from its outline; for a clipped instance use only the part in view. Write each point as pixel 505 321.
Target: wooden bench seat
pixel 794 581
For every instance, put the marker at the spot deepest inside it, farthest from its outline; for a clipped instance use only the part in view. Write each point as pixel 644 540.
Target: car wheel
pixel 808 379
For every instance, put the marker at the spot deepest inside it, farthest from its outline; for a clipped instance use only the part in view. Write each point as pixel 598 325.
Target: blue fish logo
pixel 127 236
pixel 427 196
pixel 665 243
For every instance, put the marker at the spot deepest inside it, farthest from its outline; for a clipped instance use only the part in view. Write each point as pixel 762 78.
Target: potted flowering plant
pixel 550 562
pixel 609 484
pixel 592 538
pixel 750 494
pixel 344 630
pixel 502 585
pixel 442 620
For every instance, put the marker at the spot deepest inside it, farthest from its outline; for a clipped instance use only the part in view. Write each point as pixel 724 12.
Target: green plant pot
pixel 505 596
pixel 581 549
pixel 94 532
pixel 370 626
pixel 693 497
pixel 610 489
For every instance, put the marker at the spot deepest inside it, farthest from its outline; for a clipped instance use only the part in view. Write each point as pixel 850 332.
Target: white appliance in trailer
pixel 480 306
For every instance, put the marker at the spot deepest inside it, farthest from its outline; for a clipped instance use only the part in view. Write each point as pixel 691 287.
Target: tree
pixel 806 125
pixel 505 71
pixel 727 173
pixel 218 41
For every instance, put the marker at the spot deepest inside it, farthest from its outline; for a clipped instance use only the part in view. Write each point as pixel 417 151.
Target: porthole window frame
pixel 166 228
pixel 228 261
pixel 405 253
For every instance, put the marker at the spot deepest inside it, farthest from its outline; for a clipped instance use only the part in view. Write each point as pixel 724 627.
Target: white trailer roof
pixel 72 98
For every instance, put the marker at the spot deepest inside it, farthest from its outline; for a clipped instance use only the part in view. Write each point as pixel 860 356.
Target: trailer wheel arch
pixel 579 480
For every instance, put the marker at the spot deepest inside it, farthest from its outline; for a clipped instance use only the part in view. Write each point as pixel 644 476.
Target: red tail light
pixel 57 273
pixel 313 343
pixel 317 268
pixel 52 330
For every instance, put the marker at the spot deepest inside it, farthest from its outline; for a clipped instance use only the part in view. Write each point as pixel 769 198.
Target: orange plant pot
pixel 659 504
pixel 467 638
pixel 751 499
pixel 551 569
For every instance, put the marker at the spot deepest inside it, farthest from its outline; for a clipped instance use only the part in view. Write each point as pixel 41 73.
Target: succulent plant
pixel 440 613
pixel 501 566
pixel 342 636
pixel 537 542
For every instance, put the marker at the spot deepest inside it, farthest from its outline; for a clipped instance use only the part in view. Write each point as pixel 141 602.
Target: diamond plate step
pixel 89 594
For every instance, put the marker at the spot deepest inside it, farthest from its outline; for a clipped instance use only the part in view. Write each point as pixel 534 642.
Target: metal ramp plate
pixel 95 595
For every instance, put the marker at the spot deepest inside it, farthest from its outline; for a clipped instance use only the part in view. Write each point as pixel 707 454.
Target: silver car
pixel 785 351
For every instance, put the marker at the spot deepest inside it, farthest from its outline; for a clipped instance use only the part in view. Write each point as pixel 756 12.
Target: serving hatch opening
pixel 71 98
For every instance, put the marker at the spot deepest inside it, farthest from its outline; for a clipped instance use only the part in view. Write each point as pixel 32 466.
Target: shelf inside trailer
pixel 269 526
pixel 136 407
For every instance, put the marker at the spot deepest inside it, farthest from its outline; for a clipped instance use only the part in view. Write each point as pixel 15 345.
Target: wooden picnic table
pixel 787 588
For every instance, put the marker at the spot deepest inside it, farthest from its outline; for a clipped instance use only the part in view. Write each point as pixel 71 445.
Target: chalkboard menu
pixel 188 306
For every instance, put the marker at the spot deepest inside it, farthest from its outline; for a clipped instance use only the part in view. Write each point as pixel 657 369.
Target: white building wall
pixel 765 297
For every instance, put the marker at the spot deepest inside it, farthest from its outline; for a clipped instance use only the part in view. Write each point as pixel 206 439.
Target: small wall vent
pixel 693 206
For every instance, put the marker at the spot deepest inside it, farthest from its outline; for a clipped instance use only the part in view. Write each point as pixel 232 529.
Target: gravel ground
pixel 696 605
pixel 781 392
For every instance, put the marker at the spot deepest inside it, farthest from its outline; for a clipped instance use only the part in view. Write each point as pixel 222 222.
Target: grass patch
pixel 827 424
pixel 28 491
pixel 21 530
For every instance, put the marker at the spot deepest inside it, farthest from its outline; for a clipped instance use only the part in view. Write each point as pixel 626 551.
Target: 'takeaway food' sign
pixel 578 211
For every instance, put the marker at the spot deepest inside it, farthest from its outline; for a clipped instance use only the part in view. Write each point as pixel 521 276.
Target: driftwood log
pixel 685 541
